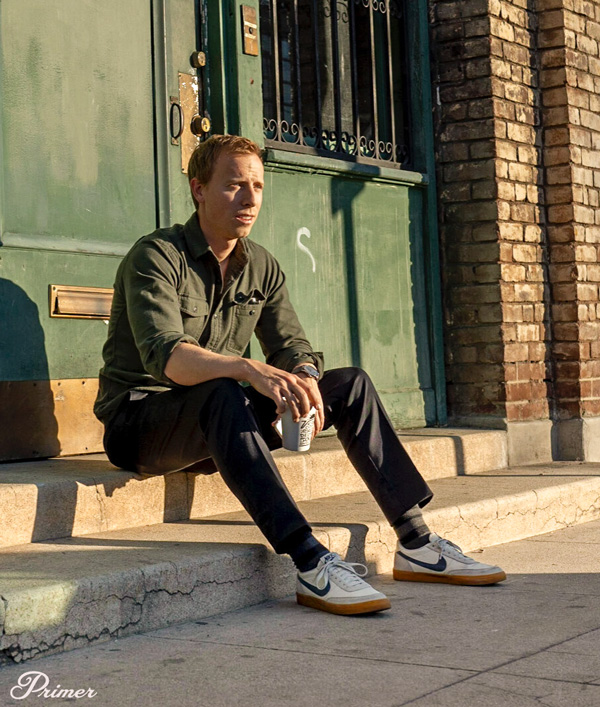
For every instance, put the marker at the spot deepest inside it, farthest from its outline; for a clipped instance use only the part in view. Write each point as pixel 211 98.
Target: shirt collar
pixel 196 242
pixel 197 245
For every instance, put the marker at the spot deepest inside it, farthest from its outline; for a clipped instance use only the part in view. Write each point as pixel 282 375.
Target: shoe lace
pixel 446 547
pixel 348 574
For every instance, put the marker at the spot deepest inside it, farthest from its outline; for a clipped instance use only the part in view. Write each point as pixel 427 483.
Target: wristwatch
pixel 309 369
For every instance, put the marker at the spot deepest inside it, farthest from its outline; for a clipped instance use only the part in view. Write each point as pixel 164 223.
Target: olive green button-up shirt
pixel 168 290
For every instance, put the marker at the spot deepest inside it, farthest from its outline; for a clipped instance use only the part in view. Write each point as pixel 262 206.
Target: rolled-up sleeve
pixel 150 282
pixel 279 331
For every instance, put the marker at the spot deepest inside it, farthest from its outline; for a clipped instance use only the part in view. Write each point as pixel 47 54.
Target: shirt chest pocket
pixel 194 313
pixel 244 320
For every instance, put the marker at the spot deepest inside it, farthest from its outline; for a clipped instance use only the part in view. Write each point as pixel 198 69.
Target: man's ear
pixel 197 190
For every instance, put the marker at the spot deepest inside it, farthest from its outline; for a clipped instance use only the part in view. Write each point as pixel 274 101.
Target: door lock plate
pixel 188 101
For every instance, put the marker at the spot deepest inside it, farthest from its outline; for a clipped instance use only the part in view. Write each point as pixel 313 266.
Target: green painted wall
pixel 32 345
pixel 77 122
pixel 360 297
pixel 77 169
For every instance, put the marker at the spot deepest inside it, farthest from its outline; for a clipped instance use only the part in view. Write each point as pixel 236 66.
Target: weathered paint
pixel 175 47
pixel 77 125
pixel 79 164
pixel 422 126
pixel 78 169
pixel 244 77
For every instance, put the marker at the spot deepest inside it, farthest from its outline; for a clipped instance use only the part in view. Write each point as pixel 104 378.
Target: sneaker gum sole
pixel 465 580
pixel 365 607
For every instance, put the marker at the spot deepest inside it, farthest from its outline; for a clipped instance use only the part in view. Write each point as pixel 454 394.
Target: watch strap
pixel 309 369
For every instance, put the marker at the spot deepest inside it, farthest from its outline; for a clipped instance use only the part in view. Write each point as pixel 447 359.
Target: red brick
pixel 564 331
pixel 567 370
pixel 567 409
pixel 518 391
pixel 564 312
pixel 516 352
pixel 566 388
pixel 591 407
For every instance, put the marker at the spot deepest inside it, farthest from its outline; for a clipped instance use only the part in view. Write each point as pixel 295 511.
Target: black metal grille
pixel 334 78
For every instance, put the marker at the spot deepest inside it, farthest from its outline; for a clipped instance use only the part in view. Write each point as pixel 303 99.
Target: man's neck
pixel 221 247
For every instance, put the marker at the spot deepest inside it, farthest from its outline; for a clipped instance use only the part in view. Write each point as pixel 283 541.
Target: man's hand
pixel 285 389
pixel 190 365
pixel 316 400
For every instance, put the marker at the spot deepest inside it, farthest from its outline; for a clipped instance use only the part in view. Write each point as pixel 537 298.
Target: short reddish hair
pixel 202 162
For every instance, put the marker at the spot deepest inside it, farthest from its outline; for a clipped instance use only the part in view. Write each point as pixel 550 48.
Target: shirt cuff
pixel 161 353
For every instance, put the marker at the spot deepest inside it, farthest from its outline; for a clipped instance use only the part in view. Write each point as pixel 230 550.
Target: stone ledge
pixel 74 496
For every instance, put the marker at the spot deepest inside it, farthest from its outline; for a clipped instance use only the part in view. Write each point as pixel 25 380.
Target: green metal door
pixel 87 166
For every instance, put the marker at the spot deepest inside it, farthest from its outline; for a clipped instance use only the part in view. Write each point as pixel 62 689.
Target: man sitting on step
pixel 187 300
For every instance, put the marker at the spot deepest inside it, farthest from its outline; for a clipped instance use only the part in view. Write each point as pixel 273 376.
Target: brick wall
pixel 517 84
pixel 570 78
pixel 467 206
pixel 519 174
pixel 489 153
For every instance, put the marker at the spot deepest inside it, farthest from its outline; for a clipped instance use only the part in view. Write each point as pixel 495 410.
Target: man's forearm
pixel 190 365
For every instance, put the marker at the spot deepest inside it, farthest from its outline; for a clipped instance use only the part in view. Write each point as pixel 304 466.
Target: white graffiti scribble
pixel 305 232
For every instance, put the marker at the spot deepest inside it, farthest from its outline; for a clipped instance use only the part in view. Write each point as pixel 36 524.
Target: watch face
pixel 311 370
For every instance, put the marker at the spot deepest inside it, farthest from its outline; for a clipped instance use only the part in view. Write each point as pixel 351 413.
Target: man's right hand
pixel 282 387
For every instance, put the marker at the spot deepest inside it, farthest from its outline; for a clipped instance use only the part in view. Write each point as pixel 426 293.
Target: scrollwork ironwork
pixel 367 146
pixel 377 5
pixel 325 116
pixel 386 150
pixel 341 10
pixel 349 144
pixel 343 144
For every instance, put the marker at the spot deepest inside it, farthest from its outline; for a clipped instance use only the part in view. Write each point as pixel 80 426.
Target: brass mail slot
pixel 80 302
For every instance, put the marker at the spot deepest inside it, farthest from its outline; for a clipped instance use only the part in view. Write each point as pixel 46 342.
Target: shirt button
pixel 195 309
pixel 252 311
pixel 215 316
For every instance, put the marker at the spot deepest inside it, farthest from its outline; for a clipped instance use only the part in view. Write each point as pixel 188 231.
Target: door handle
pixel 198 60
pixel 175 121
pixel 200 125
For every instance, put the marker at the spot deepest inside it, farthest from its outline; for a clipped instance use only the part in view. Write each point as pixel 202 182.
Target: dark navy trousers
pixel 225 427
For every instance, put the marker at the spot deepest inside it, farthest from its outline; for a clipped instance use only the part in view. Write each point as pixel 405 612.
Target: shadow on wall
pixel 423 306
pixel 28 426
pixel 344 193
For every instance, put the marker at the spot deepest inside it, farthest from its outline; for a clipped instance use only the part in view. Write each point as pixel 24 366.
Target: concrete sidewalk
pixel 533 640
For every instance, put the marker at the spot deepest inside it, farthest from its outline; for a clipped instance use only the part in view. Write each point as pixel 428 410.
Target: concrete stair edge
pixel 78 496
pixel 59 615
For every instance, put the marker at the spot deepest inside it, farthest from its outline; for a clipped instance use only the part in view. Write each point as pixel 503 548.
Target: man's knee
pixel 220 406
pixel 227 387
pixel 350 375
pixel 219 393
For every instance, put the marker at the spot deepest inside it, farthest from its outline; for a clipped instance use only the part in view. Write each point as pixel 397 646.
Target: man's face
pixel 230 202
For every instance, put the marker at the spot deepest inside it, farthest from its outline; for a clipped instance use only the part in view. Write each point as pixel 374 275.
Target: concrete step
pixel 64 594
pixel 72 496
